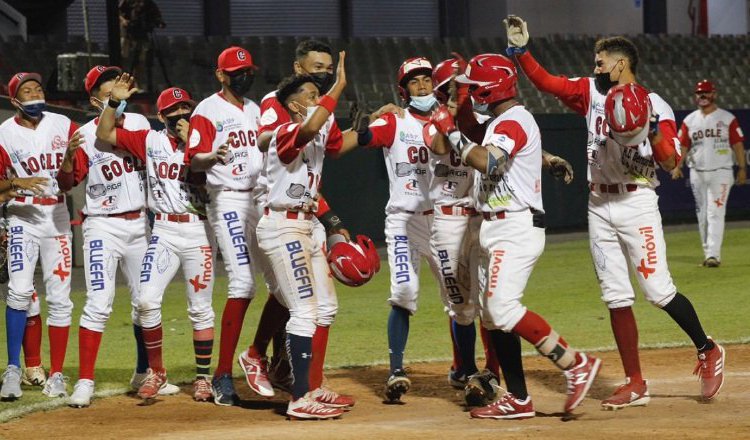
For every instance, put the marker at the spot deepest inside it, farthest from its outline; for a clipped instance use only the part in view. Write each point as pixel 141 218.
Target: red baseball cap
pixel 704 86
pixel 171 97
pixel 19 78
pixel 95 73
pixel 235 58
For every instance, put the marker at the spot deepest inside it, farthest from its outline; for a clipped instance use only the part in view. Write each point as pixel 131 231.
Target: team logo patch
pixel 177 93
pixel 295 191
pixel 241 55
pixel 195 138
pixel 403 169
pixel 441 170
pixel 412 185
pixel 648 264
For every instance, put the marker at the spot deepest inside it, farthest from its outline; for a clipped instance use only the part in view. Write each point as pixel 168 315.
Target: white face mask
pixel 310 111
pixel 423 103
pixel 479 108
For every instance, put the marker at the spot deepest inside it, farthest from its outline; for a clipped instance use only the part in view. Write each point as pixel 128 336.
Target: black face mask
pixel 603 83
pixel 241 83
pixel 172 121
pixel 322 80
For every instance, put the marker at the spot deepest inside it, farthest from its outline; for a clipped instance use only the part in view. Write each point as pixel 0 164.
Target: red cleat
pixel 580 378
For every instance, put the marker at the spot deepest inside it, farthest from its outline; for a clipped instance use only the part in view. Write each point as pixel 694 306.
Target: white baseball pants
pixel 711 192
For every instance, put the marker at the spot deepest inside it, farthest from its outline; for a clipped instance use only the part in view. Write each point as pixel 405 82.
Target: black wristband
pixel 331 221
pixel 364 138
pixel 113 103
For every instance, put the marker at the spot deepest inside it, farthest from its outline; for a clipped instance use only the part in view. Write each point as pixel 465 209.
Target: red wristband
pixel 327 103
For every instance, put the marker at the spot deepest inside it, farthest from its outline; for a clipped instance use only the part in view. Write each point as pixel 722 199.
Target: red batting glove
pixel 443 121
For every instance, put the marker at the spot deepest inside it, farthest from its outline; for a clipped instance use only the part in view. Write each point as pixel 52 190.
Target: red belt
pixel 130 215
pixel 292 215
pixel 44 201
pixel 493 215
pixel 180 218
pixel 615 188
pixel 428 212
pixel 457 210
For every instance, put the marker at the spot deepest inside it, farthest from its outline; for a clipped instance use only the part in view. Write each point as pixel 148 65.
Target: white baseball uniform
pixel 181 235
pixel 409 212
pixel 512 234
pixel 709 139
pixel 115 229
pixel 286 230
pixel 231 211
pixel 38 226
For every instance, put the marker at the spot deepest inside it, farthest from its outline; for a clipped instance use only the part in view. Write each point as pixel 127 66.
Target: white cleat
pixel 11 389
pixel 83 391
pixel 138 378
pixel 56 386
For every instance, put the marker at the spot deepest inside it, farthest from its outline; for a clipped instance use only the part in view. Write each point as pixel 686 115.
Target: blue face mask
pixel 118 111
pixel 423 103
pixel 479 108
pixel 33 109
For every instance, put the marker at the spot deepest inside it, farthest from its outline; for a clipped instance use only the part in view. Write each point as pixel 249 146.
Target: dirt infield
pixel 431 410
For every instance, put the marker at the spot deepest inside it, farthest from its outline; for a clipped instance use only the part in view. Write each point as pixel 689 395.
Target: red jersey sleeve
pixel 684 136
pixel 512 130
pixel 383 131
pixel 5 163
pixel 72 129
pixel 133 141
pixel 287 147
pixel 272 114
pixel 335 139
pixel 201 136
pixel 735 132
pixel 574 93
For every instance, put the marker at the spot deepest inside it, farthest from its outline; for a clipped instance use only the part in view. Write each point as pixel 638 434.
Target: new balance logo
pixel 580 378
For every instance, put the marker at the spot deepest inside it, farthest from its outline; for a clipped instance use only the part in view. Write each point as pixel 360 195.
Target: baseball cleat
pixel 256 373
pixel 137 379
pixel 396 386
pixel 280 374
pixel 507 407
pixel 223 387
pixel 202 390
pixel 308 408
pixel 154 382
pixel 455 380
pixel 580 378
pixel 710 370
pixel 711 262
pixel 56 386
pixel 11 389
pixel 628 394
pixel 83 391
pixel 332 398
pixel 34 376
pixel 481 388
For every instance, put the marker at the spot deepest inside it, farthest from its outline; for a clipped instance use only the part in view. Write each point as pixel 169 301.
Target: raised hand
pixel 340 83
pixel 443 121
pixel 561 168
pixel 34 185
pixel 75 142
pixel 516 31
pixel 123 87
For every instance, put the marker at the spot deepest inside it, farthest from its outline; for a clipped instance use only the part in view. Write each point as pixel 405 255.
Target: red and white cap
pixel 95 73
pixel 171 97
pixel 412 67
pixel 628 110
pixel 705 86
pixel 235 58
pixel 19 78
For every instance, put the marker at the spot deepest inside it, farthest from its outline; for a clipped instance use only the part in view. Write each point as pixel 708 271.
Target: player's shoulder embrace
pixel 661 107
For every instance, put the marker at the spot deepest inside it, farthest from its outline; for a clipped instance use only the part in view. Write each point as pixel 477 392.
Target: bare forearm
pixel 264 140
pixel 739 154
pixel 105 129
pixel 203 162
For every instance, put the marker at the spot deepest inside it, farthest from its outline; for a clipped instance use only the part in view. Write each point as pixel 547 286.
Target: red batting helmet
pixel 441 76
pixel 171 97
pixel 628 110
pixel 352 263
pixel 705 86
pixel 409 69
pixel 494 75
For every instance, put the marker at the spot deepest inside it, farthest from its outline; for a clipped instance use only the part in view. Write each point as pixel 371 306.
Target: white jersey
pixel 116 178
pixel 293 174
pixel 451 180
pixel 520 187
pixel 612 163
pixel 710 138
pixel 214 122
pixel 407 160
pixel 26 152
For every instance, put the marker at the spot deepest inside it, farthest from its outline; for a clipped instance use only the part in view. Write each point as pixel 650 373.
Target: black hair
pixel 620 45
pixel 307 46
pixel 108 75
pixel 291 85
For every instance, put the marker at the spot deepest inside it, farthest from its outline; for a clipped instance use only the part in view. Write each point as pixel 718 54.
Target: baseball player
pixel 285 232
pixel 32 144
pixel 115 228
pixel 223 143
pixel 508 191
pixel 625 230
pixel 180 236
pixel 706 137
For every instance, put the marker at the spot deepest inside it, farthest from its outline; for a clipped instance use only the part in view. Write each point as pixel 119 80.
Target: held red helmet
pixel 705 86
pixel 352 263
pixel 628 110
pixel 441 76
pixel 409 69
pixel 494 75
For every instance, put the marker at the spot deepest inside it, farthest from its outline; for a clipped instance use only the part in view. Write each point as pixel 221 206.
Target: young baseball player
pixel 706 136
pixel 223 143
pixel 32 144
pixel 115 228
pixel 508 192
pixel 285 232
pixel 625 230
pixel 180 236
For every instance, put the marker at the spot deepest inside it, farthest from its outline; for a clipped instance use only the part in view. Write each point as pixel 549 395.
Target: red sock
pixel 626 336
pixel 490 357
pixel 319 345
pixel 88 348
pixel 273 318
pixel 534 328
pixel 152 339
pixel 456 356
pixel 32 342
pixel 231 326
pixel 58 344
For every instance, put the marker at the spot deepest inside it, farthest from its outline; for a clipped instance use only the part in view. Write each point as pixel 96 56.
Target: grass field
pixel 562 288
